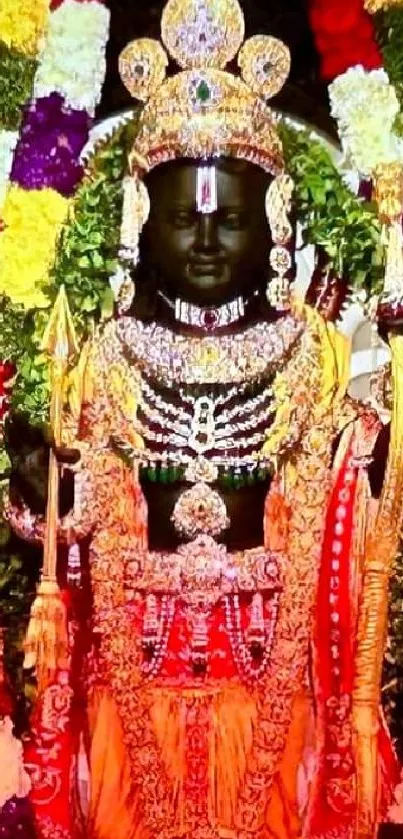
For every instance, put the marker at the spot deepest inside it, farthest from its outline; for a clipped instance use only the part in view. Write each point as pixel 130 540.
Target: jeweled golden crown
pixel 204 111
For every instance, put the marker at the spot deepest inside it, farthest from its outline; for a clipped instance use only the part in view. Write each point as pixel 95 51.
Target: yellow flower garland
pixel 27 246
pixel 23 23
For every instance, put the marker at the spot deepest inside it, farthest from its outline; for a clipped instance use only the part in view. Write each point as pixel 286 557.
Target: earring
pixel 124 289
pixel 136 209
pixel 135 212
pixel 278 206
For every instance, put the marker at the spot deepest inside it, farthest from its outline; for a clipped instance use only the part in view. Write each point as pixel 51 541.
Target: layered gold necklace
pixel 175 358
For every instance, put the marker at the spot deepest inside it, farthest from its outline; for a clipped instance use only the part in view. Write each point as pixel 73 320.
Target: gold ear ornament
pixel 278 208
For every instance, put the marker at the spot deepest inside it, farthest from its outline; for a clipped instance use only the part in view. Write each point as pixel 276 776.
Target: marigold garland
pixel 23 24
pixel 27 246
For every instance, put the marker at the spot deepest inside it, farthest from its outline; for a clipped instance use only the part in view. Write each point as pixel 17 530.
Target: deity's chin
pixel 207 286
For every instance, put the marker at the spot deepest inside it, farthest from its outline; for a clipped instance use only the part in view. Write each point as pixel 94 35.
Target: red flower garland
pixel 7 372
pixel 344 35
pixel 54 4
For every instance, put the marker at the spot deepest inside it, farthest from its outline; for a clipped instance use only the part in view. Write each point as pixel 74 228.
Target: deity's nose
pixel 206 235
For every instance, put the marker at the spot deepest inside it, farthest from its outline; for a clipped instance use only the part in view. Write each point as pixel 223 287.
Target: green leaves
pixel 331 216
pixel 87 252
pixel 389 30
pixel 16 81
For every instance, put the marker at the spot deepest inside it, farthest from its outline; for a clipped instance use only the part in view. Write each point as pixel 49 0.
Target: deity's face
pixel 207 258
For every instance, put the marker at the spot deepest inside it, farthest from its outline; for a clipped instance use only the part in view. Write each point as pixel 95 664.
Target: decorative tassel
pixel 46 644
pixel 388 194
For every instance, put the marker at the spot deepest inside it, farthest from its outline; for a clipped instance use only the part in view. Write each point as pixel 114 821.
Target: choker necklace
pixel 206 317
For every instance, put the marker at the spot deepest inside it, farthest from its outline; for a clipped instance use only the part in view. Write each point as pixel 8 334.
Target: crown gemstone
pixel 203 92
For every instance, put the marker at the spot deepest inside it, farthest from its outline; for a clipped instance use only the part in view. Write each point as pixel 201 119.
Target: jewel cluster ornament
pixel 200 576
pixel 200 510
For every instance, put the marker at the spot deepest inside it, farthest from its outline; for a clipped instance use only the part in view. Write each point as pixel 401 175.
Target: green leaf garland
pixel 389 30
pixel 17 74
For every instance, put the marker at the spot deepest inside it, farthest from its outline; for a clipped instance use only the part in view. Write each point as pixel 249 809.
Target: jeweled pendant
pixel 200 510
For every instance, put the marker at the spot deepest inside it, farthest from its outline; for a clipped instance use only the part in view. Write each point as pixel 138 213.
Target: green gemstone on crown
pixel 203 92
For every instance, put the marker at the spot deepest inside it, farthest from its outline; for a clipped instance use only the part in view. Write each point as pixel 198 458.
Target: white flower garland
pixel 8 142
pixel 14 780
pixel 365 106
pixel 72 61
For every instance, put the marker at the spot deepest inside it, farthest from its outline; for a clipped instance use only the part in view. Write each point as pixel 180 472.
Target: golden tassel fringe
pixel 46 642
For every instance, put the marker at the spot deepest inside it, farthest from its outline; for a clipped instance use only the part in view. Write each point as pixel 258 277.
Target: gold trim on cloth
pixel 372 624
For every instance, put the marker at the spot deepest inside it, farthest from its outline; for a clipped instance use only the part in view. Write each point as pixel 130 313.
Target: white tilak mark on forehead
pixel 206 189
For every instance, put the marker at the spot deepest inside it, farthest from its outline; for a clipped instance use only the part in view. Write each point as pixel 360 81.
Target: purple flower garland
pixel 48 151
pixel 17 819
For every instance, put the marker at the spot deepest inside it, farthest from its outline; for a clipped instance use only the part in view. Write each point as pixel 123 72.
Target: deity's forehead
pixel 207 183
pixel 236 167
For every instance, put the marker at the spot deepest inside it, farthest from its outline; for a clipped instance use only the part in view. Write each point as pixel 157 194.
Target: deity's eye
pixel 182 218
pixel 234 220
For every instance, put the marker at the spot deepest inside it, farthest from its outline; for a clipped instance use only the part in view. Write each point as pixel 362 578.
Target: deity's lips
pixel 205 268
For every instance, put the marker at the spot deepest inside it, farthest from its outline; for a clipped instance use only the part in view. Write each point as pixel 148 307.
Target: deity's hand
pixel 28 448
pixel 389 318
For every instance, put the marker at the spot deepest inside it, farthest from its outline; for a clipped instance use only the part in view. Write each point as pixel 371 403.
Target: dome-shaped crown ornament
pixel 204 111
pixel 200 34
pixel 142 67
